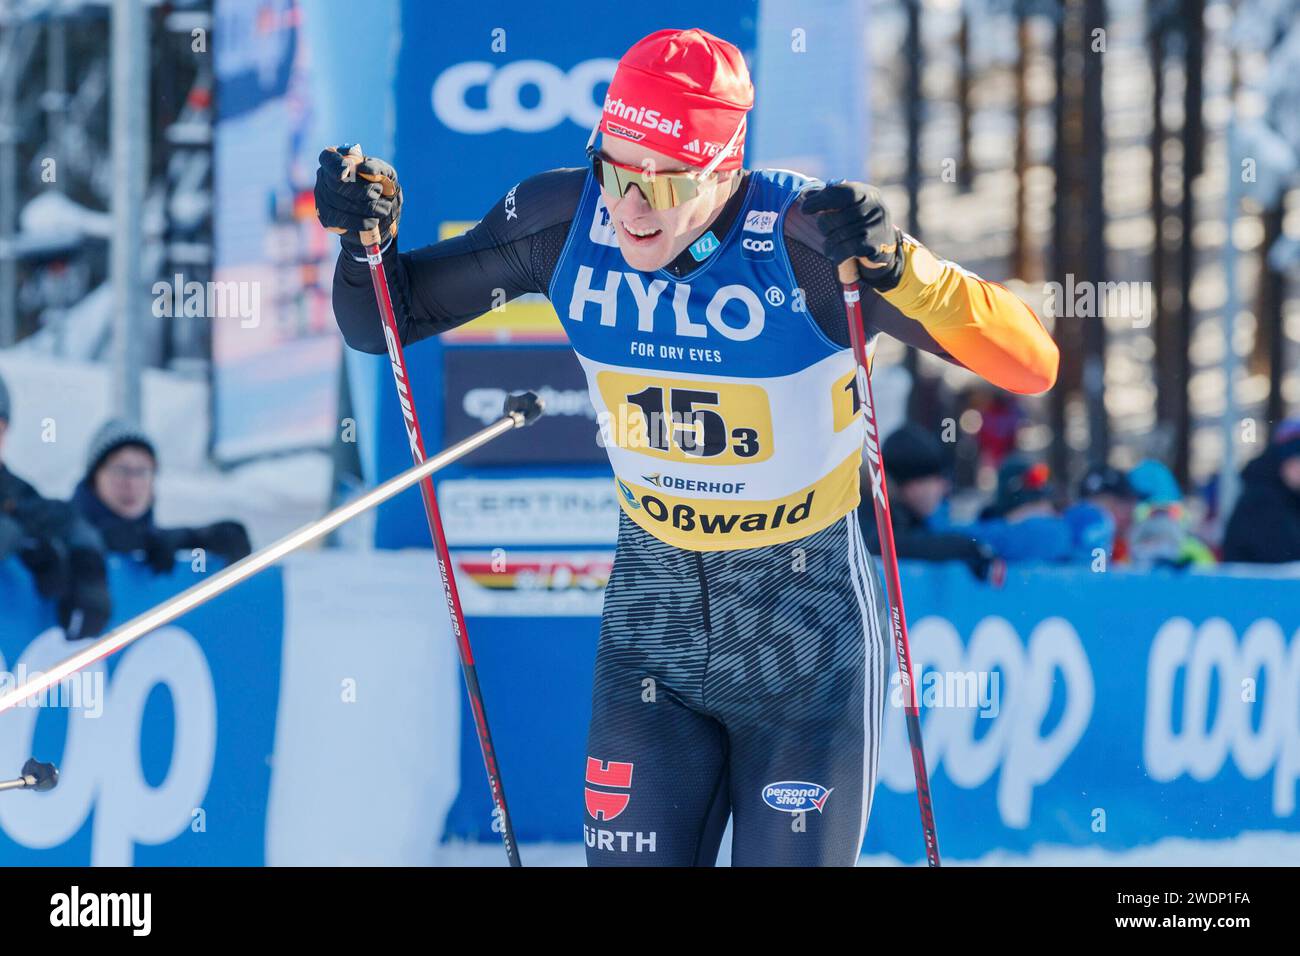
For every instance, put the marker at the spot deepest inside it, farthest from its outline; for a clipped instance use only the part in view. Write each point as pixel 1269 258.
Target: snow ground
pixel 1248 849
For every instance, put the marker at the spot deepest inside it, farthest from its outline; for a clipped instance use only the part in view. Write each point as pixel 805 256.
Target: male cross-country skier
pixel 742 662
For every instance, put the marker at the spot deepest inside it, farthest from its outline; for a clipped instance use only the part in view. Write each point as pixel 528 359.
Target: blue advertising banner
pixel 1068 708
pixel 474 394
pixel 164 750
pixel 1115 709
pixel 489 93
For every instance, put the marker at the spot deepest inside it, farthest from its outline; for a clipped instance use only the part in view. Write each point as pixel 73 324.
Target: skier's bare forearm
pixel 981 324
pixel 444 285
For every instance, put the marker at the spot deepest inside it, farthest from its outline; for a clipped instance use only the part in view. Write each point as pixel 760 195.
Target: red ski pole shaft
pixel 848 273
pixel 370 238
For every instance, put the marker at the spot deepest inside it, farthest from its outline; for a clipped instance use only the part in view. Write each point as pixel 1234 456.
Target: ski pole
pixel 520 410
pixel 370 238
pixel 848 273
pixel 35 776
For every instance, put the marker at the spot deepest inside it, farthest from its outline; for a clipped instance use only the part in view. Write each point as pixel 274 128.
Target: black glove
pixel 45 518
pixel 47 559
pixel 855 224
pixel 160 548
pixel 11 536
pixel 226 539
pixel 369 192
pixel 86 607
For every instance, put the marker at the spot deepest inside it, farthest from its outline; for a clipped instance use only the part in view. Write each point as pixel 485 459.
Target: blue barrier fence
pixel 167 759
pixel 1066 707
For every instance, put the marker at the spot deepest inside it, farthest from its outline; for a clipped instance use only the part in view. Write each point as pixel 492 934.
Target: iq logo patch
pixel 795 796
pixel 703 247
pixel 601 804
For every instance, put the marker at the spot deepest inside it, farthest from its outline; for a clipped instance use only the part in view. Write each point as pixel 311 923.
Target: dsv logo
pixel 1052 660
pixel 1255 704
pixel 560 96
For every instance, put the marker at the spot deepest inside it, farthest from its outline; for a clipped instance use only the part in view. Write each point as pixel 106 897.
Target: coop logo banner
pixel 101 771
pixel 1239 705
pixel 146 778
pixel 508 97
pixel 499 89
pixel 1019 748
pixel 1108 720
pixel 514 83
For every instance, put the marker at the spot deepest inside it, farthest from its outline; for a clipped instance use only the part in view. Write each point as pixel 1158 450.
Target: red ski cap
pixel 683 93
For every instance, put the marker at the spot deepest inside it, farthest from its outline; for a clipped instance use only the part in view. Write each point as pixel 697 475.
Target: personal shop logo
pixel 795 796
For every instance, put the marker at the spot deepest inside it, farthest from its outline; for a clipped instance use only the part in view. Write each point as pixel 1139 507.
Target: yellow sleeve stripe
pixel 980 324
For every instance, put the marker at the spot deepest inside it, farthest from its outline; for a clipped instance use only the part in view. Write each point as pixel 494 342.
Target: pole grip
pixel 370 233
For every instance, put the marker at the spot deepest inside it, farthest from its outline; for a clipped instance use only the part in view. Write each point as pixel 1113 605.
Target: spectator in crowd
pixel 117 497
pixel 1154 483
pixel 1161 534
pixel 1265 524
pixel 1022 523
pixel 918 488
pixel 1109 489
pixel 1208 526
pixel 62 552
pixel 1092 532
